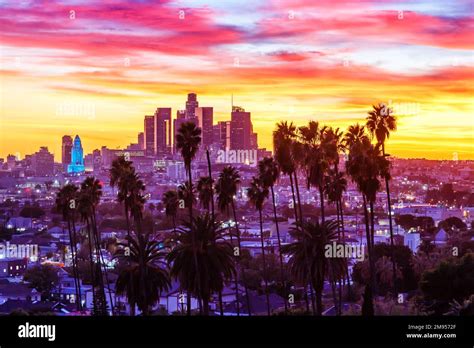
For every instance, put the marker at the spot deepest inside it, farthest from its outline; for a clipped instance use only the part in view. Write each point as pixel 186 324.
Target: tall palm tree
pixel 257 193
pixel 380 122
pixel 366 165
pixel 66 204
pixel 269 172
pixel 214 255
pixel 204 189
pixel 121 173
pixel 226 189
pixel 283 139
pixel 145 275
pixel 311 239
pixel 188 139
pixel 89 197
pixel 171 203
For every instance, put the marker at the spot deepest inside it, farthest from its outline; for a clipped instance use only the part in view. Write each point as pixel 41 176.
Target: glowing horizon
pixel 281 59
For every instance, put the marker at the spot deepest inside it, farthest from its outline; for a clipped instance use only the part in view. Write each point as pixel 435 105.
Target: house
pixel 17 291
pixel 13 267
pixel 441 237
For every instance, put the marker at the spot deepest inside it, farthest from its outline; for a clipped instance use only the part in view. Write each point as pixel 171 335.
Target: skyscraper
pixel 162 131
pixel 43 162
pixel 77 157
pixel 191 105
pixel 223 135
pixel 149 135
pixel 141 141
pixel 204 117
pixel 241 130
pixel 66 151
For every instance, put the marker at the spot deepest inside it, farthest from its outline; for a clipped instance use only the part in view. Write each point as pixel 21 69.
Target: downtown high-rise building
pixel 191 105
pixel 66 151
pixel 141 141
pixel 205 119
pixel 162 131
pixel 149 135
pixel 222 135
pixel 42 162
pixel 242 136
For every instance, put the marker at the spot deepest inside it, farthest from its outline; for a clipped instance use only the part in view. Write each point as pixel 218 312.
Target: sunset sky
pixel 325 60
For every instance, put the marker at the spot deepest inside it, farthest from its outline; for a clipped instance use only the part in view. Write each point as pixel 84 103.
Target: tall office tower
pixel 223 135
pixel 43 162
pixel 205 118
pixel 240 129
pixel 162 131
pixel 141 141
pixel 191 105
pixel 66 151
pixel 149 135
pixel 77 157
pixel 253 140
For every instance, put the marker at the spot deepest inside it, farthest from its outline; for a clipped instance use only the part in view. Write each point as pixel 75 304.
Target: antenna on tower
pixel 232 102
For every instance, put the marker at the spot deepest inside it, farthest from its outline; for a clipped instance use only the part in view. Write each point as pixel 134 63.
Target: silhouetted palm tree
pixel 145 275
pixel 366 165
pixel 226 189
pixel 89 198
pixel 204 189
pixel 188 139
pixel 214 255
pixel 311 239
pixel 283 139
pixel 171 203
pixel 269 172
pixel 257 193
pixel 121 173
pixel 380 122
pixel 66 202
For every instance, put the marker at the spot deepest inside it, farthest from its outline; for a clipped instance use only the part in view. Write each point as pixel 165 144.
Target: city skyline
pixel 282 60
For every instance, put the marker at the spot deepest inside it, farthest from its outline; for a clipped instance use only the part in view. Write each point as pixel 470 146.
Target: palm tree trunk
pixel 264 263
pixel 221 304
pixel 370 250
pixel 301 221
pixel 279 250
pixel 239 244
pixel 196 263
pixel 298 196
pixel 74 236
pixel 74 266
pixel 100 264
pixel 293 196
pixel 91 262
pixel 332 281
pixel 392 246
pixel 321 199
pixel 344 238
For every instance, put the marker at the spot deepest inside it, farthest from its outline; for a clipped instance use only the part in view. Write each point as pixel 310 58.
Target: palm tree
pixel 380 122
pixel 366 165
pixel 226 189
pixel 145 275
pixel 188 139
pixel 257 193
pixel 66 204
pixel 121 173
pixel 269 172
pixel 283 139
pixel 171 203
pixel 214 255
pixel 311 239
pixel 204 188
pixel 89 197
